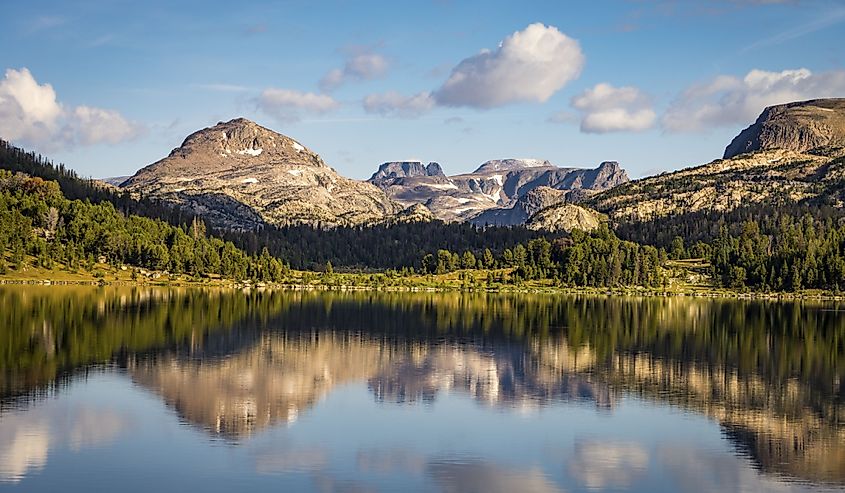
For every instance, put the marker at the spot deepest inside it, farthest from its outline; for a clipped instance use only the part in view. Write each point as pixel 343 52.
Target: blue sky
pixel 109 87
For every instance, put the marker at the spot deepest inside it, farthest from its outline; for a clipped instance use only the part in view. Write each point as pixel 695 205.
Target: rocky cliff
pixel 394 171
pixel 799 126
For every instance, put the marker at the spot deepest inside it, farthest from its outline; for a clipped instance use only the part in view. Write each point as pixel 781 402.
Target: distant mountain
pixel 240 175
pixel 800 126
pixel 489 194
pixel 793 154
pixel 390 172
pixel 526 206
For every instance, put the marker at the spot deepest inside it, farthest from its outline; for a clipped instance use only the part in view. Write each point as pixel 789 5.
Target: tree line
pixel 788 255
pixel 595 259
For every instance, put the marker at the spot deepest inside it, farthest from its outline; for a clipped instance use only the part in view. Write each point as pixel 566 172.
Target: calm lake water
pixel 135 389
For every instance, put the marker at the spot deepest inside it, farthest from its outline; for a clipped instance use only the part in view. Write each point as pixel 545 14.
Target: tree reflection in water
pixel 236 363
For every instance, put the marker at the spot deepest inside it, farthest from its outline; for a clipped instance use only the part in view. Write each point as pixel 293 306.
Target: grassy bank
pixel 681 278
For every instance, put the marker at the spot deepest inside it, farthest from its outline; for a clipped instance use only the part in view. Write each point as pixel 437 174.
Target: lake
pixel 154 389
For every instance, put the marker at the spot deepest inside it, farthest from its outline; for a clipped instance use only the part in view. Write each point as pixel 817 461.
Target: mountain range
pixel 499 192
pixel 240 175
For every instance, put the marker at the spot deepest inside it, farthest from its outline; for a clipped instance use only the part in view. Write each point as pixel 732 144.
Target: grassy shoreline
pixel 462 281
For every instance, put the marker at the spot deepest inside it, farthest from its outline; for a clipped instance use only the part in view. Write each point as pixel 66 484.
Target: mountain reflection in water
pixel 238 365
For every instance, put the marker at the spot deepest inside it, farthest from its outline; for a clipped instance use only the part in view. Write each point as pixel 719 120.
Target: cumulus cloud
pixel 729 100
pixel 95 125
pixel 362 66
pixel 394 104
pixel 31 114
pixel 605 108
pixel 528 66
pixel 289 105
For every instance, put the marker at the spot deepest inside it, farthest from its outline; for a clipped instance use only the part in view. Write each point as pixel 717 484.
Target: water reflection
pixel 599 465
pixel 26 437
pixel 484 477
pixel 240 365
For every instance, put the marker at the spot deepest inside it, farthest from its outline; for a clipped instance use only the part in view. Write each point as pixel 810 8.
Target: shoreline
pixel 632 291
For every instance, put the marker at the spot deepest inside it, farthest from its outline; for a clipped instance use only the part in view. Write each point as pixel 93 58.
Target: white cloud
pixel 289 105
pixel 394 104
pixel 363 66
pixel 605 108
pixel 95 125
pixel 528 66
pixel 31 114
pixel 729 100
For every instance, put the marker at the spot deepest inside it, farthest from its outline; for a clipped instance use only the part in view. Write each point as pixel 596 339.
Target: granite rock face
pixel 565 217
pixel 799 126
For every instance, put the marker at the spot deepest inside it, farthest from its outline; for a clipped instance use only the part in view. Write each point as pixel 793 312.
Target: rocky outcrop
pixel 240 175
pixel 565 217
pixel 525 207
pixel 391 172
pixel 495 186
pixel 799 126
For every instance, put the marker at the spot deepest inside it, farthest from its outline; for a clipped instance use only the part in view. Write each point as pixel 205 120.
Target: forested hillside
pixel 37 220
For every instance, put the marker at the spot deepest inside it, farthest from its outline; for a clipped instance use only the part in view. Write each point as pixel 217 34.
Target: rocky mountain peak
pixel 434 169
pixel 405 169
pixel 607 175
pixel 798 126
pixel 239 174
pixel 241 141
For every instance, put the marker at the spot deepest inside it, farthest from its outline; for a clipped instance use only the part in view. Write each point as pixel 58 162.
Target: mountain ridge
pixel 486 194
